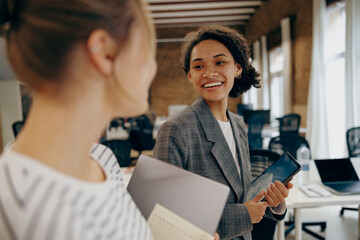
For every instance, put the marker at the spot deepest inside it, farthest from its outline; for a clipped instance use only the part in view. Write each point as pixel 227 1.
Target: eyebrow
pixel 218 55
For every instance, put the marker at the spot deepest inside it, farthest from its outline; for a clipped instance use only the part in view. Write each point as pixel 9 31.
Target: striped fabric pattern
pixel 37 202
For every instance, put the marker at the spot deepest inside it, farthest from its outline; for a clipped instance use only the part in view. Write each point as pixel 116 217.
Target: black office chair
pixel 256 125
pixel 290 143
pixel 353 146
pixel 353 141
pixel 289 124
pixel 287 143
pixel 260 160
pixel 17 126
pixel 241 107
pixel 141 133
pixel 121 150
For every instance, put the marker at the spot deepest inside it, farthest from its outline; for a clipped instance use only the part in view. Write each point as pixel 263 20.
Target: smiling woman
pixel 207 139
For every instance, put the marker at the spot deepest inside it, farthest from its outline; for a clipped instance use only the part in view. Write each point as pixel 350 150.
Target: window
pixel 276 62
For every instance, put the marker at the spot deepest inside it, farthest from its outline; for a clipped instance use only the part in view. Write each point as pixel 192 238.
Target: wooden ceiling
pixel 187 13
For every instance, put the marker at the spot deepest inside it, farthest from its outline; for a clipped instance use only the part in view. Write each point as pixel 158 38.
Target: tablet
pixel 283 170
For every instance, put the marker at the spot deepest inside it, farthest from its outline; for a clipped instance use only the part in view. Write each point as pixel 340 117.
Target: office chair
pixel 287 143
pixel 121 150
pixel 290 143
pixel 353 141
pixel 353 146
pixel 289 124
pixel 241 107
pixel 17 126
pixel 254 134
pixel 141 133
pixel 260 160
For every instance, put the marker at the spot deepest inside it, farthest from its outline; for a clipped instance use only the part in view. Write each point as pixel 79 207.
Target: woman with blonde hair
pixel 86 62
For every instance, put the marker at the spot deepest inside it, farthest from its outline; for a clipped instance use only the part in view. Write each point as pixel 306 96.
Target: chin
pixel 138 110
pixel 213 98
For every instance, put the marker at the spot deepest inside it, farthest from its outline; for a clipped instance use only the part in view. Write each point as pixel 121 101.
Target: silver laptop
pixel 339 176
pixel 197 199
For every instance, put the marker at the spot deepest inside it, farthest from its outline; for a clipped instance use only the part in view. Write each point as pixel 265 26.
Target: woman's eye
pixel 198 66
pixel 220 62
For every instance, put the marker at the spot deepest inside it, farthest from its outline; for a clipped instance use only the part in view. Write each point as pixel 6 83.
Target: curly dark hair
pixel 238 47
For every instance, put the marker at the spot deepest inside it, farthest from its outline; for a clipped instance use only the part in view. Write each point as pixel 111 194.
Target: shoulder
pixel 182 120
pixel 105 157
pixel 237 119
pixel 238 122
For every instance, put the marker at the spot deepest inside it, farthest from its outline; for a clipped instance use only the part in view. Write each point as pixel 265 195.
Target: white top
pixel 229 136
pixel 38 202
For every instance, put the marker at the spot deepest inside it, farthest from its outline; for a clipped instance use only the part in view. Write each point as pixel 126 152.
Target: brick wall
pixel 171 86
pixel 268 18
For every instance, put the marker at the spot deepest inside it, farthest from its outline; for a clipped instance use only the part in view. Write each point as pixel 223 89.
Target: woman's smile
pixel 213 85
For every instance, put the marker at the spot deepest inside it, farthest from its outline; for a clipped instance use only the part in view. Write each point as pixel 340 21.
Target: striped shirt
pixel 38 202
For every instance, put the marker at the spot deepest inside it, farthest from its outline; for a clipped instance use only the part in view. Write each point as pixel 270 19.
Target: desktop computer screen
pixel 248 114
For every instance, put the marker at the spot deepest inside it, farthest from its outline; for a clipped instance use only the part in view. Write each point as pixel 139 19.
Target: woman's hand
pixel 277 192
pixel 255 208
pixel 216 236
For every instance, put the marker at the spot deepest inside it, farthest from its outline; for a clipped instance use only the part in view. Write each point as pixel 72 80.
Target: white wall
pixel 10 106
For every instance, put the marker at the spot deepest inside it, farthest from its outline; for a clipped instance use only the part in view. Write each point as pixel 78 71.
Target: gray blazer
pixel 193 140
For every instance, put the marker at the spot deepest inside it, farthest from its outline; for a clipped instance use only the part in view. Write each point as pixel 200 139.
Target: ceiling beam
pixel 200 19
pixel 203 13
pixel 210 5
pixel 170 1
pixel 198 24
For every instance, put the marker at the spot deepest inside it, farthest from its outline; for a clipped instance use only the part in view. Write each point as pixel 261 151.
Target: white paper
pixel 167 225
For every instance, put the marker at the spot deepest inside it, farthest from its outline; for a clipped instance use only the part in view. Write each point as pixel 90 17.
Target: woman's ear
pixel 238 70
pixel 101 48
pixel 189 76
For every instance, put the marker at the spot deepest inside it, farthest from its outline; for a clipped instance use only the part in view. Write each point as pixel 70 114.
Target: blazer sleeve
pixel 236 223
pixel 171 145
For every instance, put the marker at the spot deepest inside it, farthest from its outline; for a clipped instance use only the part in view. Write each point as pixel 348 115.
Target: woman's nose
pixel 210 72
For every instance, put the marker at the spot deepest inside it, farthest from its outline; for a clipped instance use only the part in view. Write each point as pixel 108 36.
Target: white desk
pixel 272 130
pixel 298 200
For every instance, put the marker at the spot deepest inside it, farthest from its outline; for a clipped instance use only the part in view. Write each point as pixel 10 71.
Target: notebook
pixel 195 198
pixel 339 175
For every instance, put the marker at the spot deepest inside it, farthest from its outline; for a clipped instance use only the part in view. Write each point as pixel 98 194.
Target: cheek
pixel 195 77
pixel 153 69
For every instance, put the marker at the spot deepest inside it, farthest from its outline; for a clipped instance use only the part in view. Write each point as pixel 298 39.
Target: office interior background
pixel 307 51
pixel 284 43
pixel 307 71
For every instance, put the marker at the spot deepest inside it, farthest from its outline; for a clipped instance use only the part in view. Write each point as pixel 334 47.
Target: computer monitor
pixel 241 107
pixel 248 114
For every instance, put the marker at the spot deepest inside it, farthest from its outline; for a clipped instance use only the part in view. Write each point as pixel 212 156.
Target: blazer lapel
pixel 242 151
pixel 220 149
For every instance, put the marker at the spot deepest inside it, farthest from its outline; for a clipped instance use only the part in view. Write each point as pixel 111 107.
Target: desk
pixel 272 130
pixel 298 200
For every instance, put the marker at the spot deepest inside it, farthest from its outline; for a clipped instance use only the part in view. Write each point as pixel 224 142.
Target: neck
pixel 218 109
pixel 60 134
